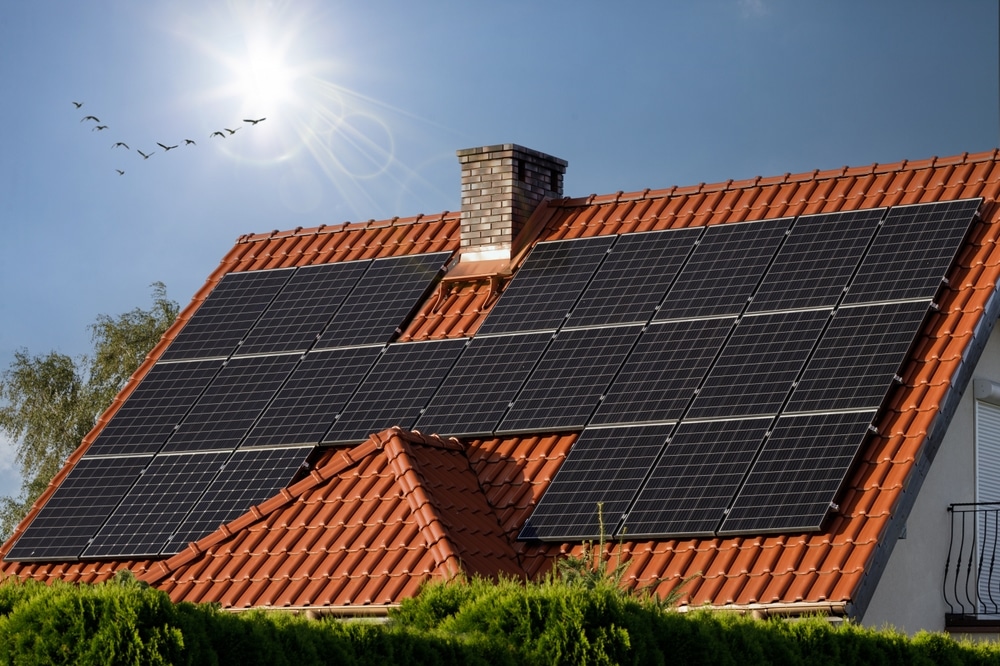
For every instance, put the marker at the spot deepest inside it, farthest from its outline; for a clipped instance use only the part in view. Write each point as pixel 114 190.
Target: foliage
pixel 48 403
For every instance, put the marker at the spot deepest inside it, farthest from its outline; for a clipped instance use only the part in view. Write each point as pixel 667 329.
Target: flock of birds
pixel 98 127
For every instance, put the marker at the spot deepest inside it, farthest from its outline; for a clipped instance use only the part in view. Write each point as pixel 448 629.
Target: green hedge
pixel 463 622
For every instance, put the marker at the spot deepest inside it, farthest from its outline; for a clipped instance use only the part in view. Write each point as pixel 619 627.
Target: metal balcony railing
pixel 972 570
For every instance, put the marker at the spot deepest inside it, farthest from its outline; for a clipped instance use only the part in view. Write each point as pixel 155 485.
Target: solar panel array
pixel 722 378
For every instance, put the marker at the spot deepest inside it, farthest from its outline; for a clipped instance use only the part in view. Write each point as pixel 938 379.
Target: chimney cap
pixel 509 147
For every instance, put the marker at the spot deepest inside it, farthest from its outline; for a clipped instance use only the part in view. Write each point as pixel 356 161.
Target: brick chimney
pixel 501 187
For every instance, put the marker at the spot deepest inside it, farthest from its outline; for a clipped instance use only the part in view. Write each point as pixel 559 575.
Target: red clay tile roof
pixel 421 507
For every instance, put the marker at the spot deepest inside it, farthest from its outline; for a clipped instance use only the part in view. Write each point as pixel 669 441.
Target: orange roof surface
pixel 370 523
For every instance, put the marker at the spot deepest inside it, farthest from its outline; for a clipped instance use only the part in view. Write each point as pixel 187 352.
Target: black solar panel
pixel 473 397
pixel 912 252
pixel 302 310
pixel 696 479
pixel 156 505
pixel 857 358
pixel 659 378
pixel 724 270
pixel 816 261
pixel 758 365
pixel 317 390
pixel 249 478
pixel 548 284
pixel 78 508
pixel 389 291
pixel 227 314
pixel 795 481
pixel 634 278
pixel 562 392
pixel 231 403
pixel 152 411
pixel 398 387
pixel 605 465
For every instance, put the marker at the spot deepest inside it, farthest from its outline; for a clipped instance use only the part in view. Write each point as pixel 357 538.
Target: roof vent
pixel 501 187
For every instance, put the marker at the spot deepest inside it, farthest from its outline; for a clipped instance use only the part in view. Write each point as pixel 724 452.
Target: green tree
pixel 49 403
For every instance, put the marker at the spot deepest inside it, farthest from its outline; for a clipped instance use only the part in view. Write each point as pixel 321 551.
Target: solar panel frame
pixel 912 251
pixel 634 278
pixel 759 365
pixel 155 407
pixel 694 481
pixel 476 392
pixel 548 284
pixel 383 299
pixel 302 309
pixel 800 470
pixel 606 466
pixel 573 373
pixel 152 510
pixel 231 403
pixel 724 270
pixel 247 479
pixel 84 500
pixel 398 387
pixel 227 314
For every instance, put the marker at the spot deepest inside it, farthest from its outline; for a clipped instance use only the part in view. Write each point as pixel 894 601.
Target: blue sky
pixel 366 104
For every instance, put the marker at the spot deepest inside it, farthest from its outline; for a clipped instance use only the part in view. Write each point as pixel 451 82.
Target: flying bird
pixel 78 104
pixel 144 155
pixel 120 172
pixel 230 131
pixel 252 121
pixel 165 148
pixel 216 134
pixel 121 143
pixel 98 128
pixel 189 142
pixel 94 118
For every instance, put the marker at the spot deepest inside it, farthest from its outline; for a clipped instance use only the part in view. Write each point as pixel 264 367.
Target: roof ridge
pixel 372 223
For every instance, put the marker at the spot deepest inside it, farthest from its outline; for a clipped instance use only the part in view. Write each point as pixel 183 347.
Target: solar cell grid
pixel 155 506
pixel 857 358
pixel 545 288
pixel 563 390
pixel 659 377
pixel 78 508
pixel 231 403
pixel 249 478
pixel 302 309
pixel 912 252
pixel 151 412
pixel 724 270
pixel 317 390
pixel 475 394
pixel 816 261
pixel 794 482
pixel 400 384
pixel 382 299
pixel 696 478
pixel 759 364
pixel 634 277
pixel 606 466
pixel 227 314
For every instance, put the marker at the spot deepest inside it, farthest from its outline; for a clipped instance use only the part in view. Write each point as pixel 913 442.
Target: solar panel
pixel 724 269
pixel 816 261
pixel 634 278
pixel 562 392
pixel 857 358
pixel 758 365
pixel 398 387
pixel 385 296
pixel 249 478
pixel 912 252
pixel 305 305
pixel 152 411
pixel 606 466
pixel 696 478
pixel 660 376
pixel 80 505
pixel 475 394
pixel 231 403
pixel 317 390
pixel 227 314
pixel 548 284
pixel 794 483
pixel 155 506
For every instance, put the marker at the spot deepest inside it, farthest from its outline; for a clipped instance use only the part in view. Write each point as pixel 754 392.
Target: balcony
pixel 972 570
